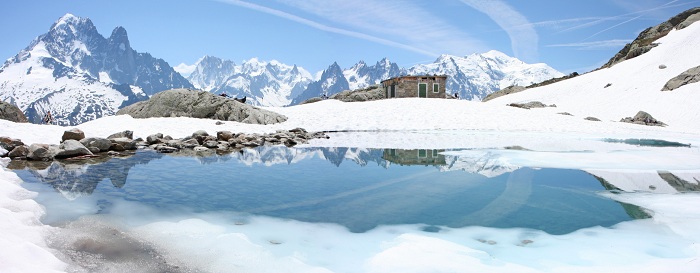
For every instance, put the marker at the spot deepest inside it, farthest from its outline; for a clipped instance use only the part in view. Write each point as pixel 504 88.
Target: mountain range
pixel 79 75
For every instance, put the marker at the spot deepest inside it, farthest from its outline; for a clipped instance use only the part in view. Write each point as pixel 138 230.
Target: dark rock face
pixel 689 76
pixel 10 112
pixel 643 118
pixel 334 75
pixel 645 40
pixel 199 104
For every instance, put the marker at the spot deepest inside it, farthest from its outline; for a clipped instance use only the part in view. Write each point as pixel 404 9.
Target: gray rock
pixel 643 118
pixel 117 147
pixel 19 152
pixel 211 144
pixel 199 104
pixel 565 113
pixel 373 92
pixel 166 149
pixel 592 118
pixel 190 143
pixel 40 152
pixel 10 112
pixel 529 105
pixel 71 148
pixel 662 66
pixel 101 144
pixel 10 143
pixel 689 76
pixel 124 134
pixel 154 138
pixel 75 134
pixel 200 149
pixel 224 135
pixel 505 91
pixel 124 142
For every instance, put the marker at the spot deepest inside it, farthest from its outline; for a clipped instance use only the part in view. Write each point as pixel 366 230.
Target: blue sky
pixel 567 35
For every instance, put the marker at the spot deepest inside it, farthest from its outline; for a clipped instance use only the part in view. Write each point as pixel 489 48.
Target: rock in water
pixel 199 104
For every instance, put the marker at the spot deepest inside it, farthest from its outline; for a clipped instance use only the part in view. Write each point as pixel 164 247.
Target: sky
pixel 567 35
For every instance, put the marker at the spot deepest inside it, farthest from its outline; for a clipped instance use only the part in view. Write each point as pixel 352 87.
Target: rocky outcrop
pixel 373 92
pixel 689 76
pixel 643 118
pixel 75 134
pixel 529 105
pixel 503 92
pixel 199 104
pixel 645 40
pixel 10 112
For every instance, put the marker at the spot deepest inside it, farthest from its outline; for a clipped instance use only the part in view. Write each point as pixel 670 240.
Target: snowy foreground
pixel 668 242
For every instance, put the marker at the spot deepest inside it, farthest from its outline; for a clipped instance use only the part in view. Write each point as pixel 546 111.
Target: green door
pixel 422 90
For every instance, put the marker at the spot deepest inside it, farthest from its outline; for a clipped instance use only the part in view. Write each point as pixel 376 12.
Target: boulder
pixel 592 118
pixel 210 144
pixel 643 118
pixel 10 143
pixel 125 143
pixel 689 76
pixel 102 144
pixel 224 135
pixel 532 104
pixel 71 148
pixel 19 152
pixel 41 152
pixel 199 104
pixel 10 112
pixel 154 138
pixel 75 134
pixel 124 134
pixel 190 143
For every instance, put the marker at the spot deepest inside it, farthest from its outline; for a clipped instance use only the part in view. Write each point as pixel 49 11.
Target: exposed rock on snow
pixel 643 118
pixel 689 76
pixel 647 38
pixel 10 112
pixel 528 105
pixel 592 118
pixel 199 104
pixel 75 134
pixel 504 91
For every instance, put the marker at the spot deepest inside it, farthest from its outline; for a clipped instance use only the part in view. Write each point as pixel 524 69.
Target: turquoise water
pixel 359 189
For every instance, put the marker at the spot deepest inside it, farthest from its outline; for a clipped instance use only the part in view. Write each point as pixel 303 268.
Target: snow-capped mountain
pixel 79 75
pixel 332 81
pixel 473 76
pixel 263 83
pixel 477 75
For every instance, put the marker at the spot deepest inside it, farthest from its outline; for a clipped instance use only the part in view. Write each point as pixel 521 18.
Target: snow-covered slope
pixel 634 85
pixel 263 83
pixel 79 75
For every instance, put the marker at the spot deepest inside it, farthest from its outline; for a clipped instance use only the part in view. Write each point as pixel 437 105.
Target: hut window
pixel 436 87
pixel 422 153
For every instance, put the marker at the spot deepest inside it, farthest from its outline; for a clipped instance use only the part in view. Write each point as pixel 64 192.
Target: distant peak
pixel 70 19
pixel 495 54
pixel 444 58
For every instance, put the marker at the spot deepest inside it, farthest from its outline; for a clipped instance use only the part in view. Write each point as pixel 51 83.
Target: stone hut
pixel 425 86
pixel 423 157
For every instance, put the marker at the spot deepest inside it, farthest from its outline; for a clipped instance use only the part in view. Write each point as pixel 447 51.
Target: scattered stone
pixel 528 105
pixel 190 143
pixel 75 134
pixel 200 149
pixel 592 118
pixel 102 144
pixel 643 118
pixel 525 242
pixel 211 144
pixel 490 242
pixel 224 135
pixel 19 152
pixel 652 187
pixel 10 143
pixel 126 143
pixel 607 85
pixel 154 138
pixel 71 148
pixel 41 152
pixel 114 153
pixel 166 149
pixel 662 66
pixel 687 77
pixel 127 134
pixel 220 122
pixel 565 113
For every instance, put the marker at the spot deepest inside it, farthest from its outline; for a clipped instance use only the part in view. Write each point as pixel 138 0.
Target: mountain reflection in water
pixel 379 187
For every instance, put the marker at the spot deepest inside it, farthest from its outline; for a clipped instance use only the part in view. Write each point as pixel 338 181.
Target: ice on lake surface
pixel 316 205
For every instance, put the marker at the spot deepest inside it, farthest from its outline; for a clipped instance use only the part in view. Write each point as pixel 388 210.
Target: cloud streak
pixel 328 28
pixel 597 45
pixel 523 36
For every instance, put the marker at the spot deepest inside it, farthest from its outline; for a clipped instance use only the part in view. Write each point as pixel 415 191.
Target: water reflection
pixel 379 187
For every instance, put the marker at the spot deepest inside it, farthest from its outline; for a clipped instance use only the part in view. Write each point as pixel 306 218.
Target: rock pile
pixel 643 118
pixel 75 144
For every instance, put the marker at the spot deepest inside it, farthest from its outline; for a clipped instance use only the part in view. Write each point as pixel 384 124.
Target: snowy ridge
pixel 79 75
pixel 263 83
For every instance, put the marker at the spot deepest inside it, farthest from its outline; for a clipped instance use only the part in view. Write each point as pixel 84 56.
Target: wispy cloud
pixel 523 36
pixel 597 45
pixel 379 22
pixel 184 69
